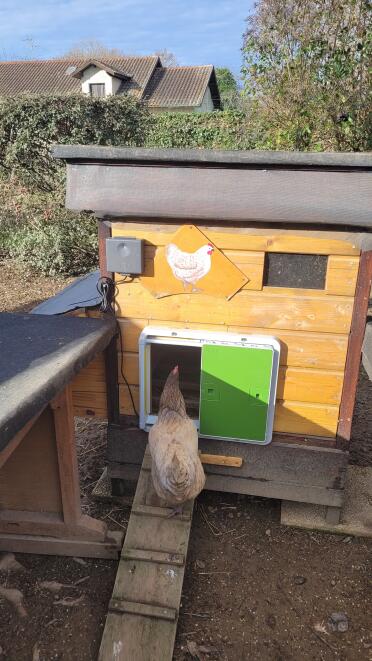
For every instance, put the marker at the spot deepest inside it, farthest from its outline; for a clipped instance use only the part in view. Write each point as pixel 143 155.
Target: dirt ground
pixel 254 590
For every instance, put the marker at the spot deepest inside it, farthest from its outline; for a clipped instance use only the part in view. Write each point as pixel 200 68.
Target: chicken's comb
pixel 211 245
pixel 175 370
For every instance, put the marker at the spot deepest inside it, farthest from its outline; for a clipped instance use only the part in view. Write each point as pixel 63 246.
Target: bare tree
pixel 29 54
pixel 91 48
pixel 167 58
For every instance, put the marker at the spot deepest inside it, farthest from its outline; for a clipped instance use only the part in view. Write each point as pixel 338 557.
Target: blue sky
pixel 197 31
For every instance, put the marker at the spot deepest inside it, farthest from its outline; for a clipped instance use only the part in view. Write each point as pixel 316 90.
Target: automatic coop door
pixel 228 380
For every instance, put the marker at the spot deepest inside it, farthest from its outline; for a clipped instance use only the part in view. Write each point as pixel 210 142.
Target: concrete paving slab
pixel 356 518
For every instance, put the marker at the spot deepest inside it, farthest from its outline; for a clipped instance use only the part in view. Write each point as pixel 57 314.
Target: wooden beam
pixel 353 358
pixel 67 458
pixel 104 232
pixel 111 378
pixel 280 470
pixel 221 460
pixel 16 440
pixel 20 543
pixel 51 524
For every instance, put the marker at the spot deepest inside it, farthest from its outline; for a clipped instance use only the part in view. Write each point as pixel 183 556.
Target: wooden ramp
pixel 143 611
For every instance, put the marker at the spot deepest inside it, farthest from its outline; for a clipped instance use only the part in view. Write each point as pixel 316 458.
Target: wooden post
pixel 111 356
pixel 104 232
pixel 40 491
pixel 112 385
pixel 67 458
pixel 354 352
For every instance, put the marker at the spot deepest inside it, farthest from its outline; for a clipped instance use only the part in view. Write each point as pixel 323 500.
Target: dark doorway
pixel 164 357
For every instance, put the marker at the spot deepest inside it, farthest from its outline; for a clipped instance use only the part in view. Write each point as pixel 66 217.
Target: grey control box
pixel 125 255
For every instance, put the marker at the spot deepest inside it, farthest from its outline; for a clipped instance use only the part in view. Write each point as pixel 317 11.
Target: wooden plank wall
pixel 312 325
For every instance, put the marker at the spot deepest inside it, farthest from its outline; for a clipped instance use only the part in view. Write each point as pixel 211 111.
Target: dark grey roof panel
pixel 43 354
pixel 82 293
pixel 216 158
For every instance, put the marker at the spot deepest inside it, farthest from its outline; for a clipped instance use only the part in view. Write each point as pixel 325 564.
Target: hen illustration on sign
pixel 189 264
pixel 189 267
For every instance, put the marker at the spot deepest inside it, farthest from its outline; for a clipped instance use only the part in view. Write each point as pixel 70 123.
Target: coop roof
pixel 237 186
pixel 35 371
pixel 218 157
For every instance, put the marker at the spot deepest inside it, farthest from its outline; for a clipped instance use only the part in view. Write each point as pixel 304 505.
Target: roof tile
pixel 51 77
pixel 159 87
pixel 178 86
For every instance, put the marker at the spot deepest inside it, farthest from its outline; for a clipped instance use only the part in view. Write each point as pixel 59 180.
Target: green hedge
pixel 215 130
pixel 35 228
pixel 30 124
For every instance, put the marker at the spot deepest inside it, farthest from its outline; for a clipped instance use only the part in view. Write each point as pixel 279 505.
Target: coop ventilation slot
pixel 294 270
pixel 228 380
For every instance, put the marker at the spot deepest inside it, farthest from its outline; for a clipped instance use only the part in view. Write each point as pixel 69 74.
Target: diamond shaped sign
pixel 190 264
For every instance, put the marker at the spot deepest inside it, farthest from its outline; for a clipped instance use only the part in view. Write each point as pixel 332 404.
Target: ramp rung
pixel 142 609
pixel 162 512
pixel 160 557
pixel 137 620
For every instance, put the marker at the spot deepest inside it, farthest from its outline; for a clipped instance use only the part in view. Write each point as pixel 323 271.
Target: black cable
pixel 107 289
pixel 98 287
pixel 122 373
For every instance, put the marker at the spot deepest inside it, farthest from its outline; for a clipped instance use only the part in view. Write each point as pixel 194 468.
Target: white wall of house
pixel 93 75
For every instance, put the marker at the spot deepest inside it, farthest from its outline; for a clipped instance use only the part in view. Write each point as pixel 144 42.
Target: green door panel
pixel 235 391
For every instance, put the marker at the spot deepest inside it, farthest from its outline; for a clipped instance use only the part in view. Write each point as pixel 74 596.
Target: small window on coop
pixel 295 270
pixel 228 381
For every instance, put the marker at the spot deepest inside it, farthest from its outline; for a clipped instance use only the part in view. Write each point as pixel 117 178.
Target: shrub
pixel 38 231
pixel 35 228
pixel 215 130
pixel 67 246
pixel 30 124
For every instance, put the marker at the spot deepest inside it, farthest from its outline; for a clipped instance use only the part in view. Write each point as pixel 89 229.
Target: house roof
pixel 144 77
pixel 78 73
pixel 181 87
pixel 57 76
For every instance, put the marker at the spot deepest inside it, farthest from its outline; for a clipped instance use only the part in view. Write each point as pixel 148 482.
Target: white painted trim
pixel 186 337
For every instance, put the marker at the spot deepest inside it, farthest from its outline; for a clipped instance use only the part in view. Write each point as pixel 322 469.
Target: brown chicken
pixel 177 472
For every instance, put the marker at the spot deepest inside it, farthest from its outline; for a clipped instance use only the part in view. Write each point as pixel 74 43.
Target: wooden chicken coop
pixel 288 272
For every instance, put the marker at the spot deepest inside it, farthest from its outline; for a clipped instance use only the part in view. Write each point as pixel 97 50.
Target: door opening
pixel 163 358
pixel 228 381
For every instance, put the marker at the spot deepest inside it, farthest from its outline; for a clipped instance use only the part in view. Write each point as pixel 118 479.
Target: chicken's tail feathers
pixel 180 470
